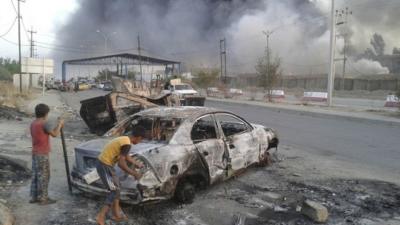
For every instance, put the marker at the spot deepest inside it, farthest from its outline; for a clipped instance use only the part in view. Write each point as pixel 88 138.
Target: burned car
pixel 185 148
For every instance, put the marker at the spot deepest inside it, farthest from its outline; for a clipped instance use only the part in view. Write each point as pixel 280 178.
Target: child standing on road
pixel 40 132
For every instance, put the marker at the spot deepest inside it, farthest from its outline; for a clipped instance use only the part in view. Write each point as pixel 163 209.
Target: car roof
pixel 185 112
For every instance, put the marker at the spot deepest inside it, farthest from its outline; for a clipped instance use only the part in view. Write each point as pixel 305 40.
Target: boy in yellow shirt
pixel 116 152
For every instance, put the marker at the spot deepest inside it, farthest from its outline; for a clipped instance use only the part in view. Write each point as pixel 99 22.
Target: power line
pixel 11 42
pixel 9 29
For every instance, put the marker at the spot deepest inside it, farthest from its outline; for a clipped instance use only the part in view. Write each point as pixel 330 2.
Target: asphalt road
pixel 373 144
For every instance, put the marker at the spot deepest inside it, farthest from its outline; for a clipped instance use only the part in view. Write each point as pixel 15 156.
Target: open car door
pixel 239 140
pixel 210 146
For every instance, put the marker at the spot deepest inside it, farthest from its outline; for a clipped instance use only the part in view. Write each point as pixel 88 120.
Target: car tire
pixel 185 192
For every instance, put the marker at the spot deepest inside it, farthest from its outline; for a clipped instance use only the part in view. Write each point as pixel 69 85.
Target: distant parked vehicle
pixel 108 86
pixel 233 92
pixel 83 86
pixel 92 84
pixel 53 84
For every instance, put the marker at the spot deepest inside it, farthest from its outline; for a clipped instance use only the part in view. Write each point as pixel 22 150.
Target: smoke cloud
pixel 190 30
pixel 368 67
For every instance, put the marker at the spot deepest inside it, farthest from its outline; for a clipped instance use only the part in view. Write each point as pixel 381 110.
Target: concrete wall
pixel 36 80
pixel 389 84
pixel 320 82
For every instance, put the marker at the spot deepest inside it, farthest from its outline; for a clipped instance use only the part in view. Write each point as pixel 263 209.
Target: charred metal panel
pixel 213 151
pixel 102 113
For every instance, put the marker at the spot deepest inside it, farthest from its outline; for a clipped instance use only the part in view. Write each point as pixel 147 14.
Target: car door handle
pixel 205 153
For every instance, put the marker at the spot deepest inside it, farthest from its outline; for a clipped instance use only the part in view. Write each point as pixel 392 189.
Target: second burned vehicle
pixel 185 148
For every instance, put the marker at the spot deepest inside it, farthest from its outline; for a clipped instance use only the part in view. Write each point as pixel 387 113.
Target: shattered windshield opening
pixel 156 128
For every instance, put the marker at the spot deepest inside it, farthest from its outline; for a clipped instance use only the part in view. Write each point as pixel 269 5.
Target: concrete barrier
pixel 212 91
pixel 315 96
pixel 392 101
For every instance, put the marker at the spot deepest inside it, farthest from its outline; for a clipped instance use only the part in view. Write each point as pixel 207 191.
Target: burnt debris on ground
pixel 279 202
pixel 11 170
pixel 13 173
pixel 11 113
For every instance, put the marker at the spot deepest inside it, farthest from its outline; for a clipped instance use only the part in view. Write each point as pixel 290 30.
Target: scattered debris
pixel 10 113
pixel 315 211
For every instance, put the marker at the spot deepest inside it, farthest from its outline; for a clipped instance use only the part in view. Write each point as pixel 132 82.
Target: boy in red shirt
pixel 40 132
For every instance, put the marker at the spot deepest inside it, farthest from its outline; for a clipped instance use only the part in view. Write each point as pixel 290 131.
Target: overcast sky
pixel 45 16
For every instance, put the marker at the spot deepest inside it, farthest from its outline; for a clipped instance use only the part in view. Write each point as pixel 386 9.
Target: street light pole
pixel 331 76
pixel 105 46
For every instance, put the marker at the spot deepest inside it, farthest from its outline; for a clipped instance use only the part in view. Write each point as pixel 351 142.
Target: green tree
pixel 205 78
pixel 5 74
pixel 8 68
pixel 269 73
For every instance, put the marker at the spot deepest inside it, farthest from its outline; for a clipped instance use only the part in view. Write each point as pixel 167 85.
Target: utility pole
pixel 225 60
pixel 31 53
pixel 105 46
pixel 343 13
pixel 140 61
pixel 222 54
pixel 19 46
pixel 267 34
pixel 32 44
pixel 331 76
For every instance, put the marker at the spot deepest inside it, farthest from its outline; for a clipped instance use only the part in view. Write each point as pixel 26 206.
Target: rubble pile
pixel 11 113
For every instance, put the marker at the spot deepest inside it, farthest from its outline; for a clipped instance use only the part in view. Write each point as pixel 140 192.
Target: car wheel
pixel 185 192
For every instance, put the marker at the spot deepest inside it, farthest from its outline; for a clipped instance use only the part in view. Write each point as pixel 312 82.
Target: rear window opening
pixel 156 128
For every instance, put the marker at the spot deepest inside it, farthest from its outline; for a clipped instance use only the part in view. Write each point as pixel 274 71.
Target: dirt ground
pixel 352 193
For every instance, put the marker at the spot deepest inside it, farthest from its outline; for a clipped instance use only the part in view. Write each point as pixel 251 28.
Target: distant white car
pixel 235 91
pixel 100 85
pixel 186 94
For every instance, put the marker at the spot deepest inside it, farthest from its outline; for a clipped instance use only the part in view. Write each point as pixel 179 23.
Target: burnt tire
pixel 185 192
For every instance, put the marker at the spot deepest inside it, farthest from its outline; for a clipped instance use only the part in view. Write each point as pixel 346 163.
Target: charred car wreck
pixel 185 148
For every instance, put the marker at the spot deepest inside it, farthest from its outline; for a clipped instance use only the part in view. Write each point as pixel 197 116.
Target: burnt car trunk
pixel 102 113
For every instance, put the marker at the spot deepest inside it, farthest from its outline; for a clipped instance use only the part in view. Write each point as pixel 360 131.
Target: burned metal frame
pixel 120 59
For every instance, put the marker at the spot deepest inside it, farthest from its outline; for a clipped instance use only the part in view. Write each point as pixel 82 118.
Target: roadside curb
pixel 6 218
pixel 302 110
